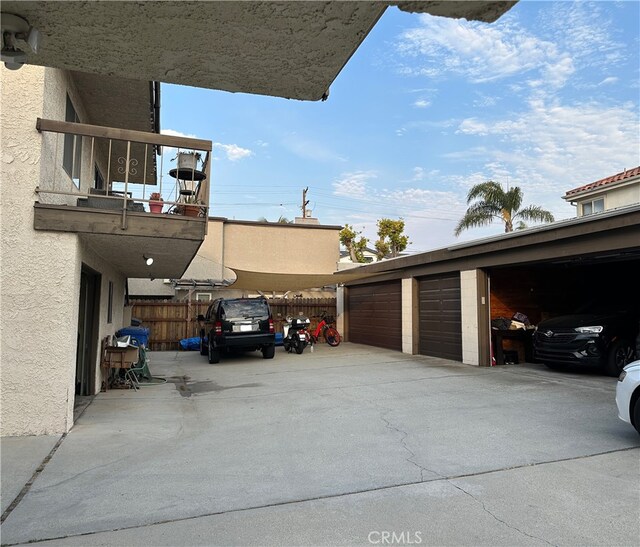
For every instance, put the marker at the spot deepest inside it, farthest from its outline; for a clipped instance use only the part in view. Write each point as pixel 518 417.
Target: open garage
pixel 444 301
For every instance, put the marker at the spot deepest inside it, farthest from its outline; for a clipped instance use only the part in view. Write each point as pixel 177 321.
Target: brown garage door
pixel 440 317
pixel 375 314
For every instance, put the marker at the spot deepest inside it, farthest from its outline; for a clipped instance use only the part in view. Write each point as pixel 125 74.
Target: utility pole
pixel 305 202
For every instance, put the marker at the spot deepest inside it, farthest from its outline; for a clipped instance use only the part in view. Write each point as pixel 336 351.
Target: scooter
pixel 296 334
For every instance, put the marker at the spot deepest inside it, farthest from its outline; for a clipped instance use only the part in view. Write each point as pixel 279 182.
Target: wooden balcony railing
pixel 119 169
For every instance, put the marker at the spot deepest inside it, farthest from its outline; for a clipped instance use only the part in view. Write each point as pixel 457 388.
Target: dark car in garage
pixel 603 336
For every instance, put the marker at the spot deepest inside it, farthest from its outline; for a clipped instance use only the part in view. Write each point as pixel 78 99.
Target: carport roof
pixel 611 235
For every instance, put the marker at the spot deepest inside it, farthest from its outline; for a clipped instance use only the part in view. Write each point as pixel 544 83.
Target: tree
pixel 281 220
pixel 356 247
pixel 494 202
pixel 391 239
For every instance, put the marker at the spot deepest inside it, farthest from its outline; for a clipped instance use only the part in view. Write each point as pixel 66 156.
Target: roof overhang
pixel 290 49
pixel 118 102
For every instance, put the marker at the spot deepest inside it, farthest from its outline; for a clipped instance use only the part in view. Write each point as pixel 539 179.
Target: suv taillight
pixel 271 327
pixel 218 327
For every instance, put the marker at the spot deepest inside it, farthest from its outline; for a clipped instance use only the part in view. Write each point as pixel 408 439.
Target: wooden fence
pixel 170 321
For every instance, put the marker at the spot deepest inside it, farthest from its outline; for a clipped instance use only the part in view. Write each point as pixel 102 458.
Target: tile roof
pixel 626 174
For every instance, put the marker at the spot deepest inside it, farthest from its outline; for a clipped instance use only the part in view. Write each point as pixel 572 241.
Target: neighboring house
pixel 369 254
pixel 609 193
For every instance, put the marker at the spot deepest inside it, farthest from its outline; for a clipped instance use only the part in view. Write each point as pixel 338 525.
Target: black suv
pixel 603 336
pixel 239 323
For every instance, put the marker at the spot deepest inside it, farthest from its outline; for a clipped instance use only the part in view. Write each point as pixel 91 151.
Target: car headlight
pixel 589 330
pixel 622 376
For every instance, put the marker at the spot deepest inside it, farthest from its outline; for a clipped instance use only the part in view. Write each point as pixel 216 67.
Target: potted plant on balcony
pixel 155 202
pixel 192 207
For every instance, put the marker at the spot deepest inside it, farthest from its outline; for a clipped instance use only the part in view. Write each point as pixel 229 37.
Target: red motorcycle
pixel 330 334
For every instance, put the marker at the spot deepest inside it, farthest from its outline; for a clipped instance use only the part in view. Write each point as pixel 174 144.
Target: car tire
pixel 214 355
pixel 268 352
pixel 203 347
pixel 635 414
pixel 620 355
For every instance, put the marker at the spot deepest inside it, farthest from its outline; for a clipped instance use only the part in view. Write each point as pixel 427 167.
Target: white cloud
pixel 353 185
pixel 422 103
pixel 472 126
pixel 609 80
pixel 233 151
pixel 475 50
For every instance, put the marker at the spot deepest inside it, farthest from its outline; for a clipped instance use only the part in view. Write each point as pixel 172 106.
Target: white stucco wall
pixel 469 303
pixel 39 271
pixel 40 277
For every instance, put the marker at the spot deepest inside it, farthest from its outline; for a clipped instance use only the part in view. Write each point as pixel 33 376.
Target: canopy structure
pixel 265 281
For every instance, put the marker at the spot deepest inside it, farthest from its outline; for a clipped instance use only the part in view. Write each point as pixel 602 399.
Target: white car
pixel 628 395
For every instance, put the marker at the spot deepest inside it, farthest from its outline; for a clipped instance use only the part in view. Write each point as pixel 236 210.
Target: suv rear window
pixel 244 309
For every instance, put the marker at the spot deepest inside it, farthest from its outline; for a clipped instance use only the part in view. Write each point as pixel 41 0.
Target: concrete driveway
pixel 347 445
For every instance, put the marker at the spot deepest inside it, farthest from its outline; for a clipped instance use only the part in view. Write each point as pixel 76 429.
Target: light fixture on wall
pixel 18 38
pixel 148 260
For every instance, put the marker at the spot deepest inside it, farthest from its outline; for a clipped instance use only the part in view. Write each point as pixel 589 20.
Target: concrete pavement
pixel 338 447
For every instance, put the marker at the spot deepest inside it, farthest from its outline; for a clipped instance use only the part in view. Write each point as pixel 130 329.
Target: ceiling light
pixel 18 38
pixel 148 260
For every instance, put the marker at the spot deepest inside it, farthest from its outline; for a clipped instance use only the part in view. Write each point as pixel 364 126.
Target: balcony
pixel 100 185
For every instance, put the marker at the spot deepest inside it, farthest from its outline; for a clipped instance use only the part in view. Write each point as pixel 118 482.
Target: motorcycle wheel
pixel 287 346
pixel 299 347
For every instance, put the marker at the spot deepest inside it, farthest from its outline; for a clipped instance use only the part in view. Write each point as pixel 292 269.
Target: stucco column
pixel 469 304
pixel 410 325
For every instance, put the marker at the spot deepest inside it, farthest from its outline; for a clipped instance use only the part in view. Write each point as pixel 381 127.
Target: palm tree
pixel 496 203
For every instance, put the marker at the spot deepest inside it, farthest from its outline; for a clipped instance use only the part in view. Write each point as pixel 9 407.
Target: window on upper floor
pixel 594 206
pixel 203 296
pixel 72 155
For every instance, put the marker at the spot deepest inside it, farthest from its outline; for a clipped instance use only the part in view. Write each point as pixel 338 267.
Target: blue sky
pixel 546 98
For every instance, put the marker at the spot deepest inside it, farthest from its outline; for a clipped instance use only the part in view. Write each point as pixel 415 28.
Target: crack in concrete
pixel 403 439
pixel 484 508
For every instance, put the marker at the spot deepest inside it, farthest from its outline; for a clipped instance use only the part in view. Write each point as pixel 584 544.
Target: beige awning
pixel 264 281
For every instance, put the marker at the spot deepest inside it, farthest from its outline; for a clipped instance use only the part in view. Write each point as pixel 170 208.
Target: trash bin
pixel 140 334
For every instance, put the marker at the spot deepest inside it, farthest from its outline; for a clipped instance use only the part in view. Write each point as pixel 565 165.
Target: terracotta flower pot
pixel 155 206
pixel 191 210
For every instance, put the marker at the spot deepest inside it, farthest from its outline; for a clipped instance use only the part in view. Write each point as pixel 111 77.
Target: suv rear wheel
pixel 214 355
pixel 268 352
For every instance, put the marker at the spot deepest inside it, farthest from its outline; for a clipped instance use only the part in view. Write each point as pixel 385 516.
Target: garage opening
pixel 440 316
pixel 375 314
pixel 548 290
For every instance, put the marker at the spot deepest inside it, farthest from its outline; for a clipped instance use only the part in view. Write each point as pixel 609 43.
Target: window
pixel 203 296
pixel 110 305
pixel 72 154
pixel 591 207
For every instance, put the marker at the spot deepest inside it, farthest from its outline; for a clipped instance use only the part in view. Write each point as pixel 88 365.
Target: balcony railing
pixel 119 169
